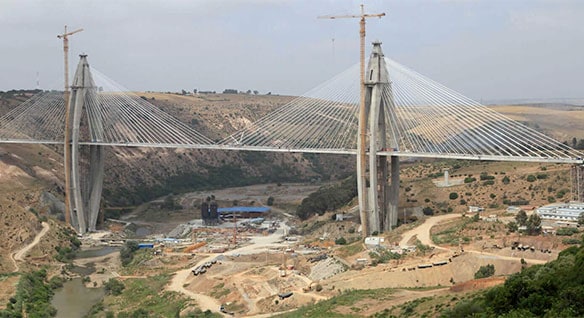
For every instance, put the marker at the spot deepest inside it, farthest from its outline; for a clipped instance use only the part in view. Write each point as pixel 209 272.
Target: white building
pixel 513 209
pixel 472 209
pixel 561 211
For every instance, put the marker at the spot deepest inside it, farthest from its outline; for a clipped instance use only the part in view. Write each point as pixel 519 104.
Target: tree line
pixel 328 198
pixel 555 289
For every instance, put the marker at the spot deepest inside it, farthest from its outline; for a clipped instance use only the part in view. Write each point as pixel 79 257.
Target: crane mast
pixel 65 37
pixel 362 156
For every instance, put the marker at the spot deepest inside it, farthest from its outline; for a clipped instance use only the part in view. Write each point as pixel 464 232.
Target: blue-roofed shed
pixel 243 211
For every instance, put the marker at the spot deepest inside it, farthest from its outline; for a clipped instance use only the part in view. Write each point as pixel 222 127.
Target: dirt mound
pixel 478 284
pixel 326 268
pixel 275 304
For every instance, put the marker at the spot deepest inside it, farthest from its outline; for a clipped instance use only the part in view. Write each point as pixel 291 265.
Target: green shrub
pixel 531 178
pixel 566 231
pixel 114 287
pixel 485 271
pixel 328 198
pixel 469 179
pixel 571 241
pixel 127 252
pixel 453 196
pixel 341 241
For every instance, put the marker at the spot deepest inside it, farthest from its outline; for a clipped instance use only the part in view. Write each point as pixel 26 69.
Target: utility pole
pixel 67 144
pixel 362 141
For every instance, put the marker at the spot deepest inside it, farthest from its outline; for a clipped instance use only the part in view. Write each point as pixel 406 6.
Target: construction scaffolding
pixel 577 176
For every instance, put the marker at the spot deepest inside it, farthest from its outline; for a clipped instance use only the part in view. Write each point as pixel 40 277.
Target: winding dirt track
pixel 259 244
pixel 20 254
pixel 422 232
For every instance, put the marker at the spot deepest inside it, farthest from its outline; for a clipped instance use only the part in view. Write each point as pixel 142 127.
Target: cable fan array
pixel 424 117
pixel 125 118
pixel 39 119
pixel 112 114
pixel 431 118
pixel 324 118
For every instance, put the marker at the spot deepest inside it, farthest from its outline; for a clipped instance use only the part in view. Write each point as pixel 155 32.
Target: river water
pixel 74 299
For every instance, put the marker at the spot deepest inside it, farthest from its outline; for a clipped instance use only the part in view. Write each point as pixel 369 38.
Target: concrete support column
pixel 85 197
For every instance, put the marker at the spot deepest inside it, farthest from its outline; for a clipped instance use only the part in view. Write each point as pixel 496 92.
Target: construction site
pixel 248 266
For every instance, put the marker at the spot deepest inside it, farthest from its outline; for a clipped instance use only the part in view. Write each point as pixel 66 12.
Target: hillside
pixel 138 175
pixel 563 122
pixel 32 185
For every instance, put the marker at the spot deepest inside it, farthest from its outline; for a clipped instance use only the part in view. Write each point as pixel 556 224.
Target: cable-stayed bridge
pixel 408 115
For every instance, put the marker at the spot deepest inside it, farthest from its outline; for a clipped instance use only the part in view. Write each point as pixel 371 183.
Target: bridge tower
pixel 87 163
pixel 381 197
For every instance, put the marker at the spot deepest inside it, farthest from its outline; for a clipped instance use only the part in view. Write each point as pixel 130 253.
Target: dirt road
pixel 422 232
pixel 20 254
pixel 258 244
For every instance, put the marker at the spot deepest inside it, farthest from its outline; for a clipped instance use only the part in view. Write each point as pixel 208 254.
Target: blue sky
pixel 492 49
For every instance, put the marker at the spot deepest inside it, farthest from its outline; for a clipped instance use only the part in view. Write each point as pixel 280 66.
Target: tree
pixel 341 241
pixel 531 178
pixel 170 203
pixel 581 219
pixel 127 252
pixel 113 287
pixel 453 196
pixel 195 91
pixel 183 92
pixel 574 142
pixel 428 211
pixel 485 271
pixel 255 92
pixel 521 218
pixel 512 226
pixel 506 180
pixel 270 201
pixel 248 91
pixel 533 224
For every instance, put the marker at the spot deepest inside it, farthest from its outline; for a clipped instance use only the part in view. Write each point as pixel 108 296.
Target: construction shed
pixel 243 212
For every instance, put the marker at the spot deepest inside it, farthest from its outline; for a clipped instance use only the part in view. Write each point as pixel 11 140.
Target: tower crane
pixel 362 162
pixel 65 37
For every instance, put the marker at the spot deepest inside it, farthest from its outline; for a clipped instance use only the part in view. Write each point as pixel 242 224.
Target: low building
pixel 513 209
pixel 472 209
pixel 374 240
pixel 343 216
pixel 561 211
pixel 243 212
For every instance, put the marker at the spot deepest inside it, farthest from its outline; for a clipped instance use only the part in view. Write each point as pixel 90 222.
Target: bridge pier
pixel 577 176
pixel 381 198
pixel 84 190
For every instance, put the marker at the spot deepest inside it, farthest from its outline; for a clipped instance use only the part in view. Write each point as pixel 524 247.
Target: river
pixel 74 299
